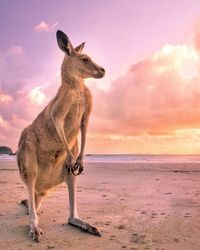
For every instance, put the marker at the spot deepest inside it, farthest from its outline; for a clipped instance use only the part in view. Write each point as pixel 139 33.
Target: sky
pixel 148 102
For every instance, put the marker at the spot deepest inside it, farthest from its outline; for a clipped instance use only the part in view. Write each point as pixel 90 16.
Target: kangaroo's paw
pixel 84 226
pixel 36 233
pixel 77 169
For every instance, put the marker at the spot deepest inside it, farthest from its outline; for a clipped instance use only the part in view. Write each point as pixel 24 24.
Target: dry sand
pixel 135 206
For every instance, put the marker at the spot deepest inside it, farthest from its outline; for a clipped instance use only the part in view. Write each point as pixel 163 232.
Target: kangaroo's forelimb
pixel 58 114
pixel 83 127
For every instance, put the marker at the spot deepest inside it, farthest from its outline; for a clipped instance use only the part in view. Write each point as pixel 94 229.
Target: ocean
pixel 129 158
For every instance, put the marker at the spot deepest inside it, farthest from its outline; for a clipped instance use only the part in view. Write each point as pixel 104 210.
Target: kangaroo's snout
pixel 103 70
pixel 100 73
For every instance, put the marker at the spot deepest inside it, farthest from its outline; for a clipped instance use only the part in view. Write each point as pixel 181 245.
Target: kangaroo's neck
pixel 69 78
pixel 68 85
pixel 72 82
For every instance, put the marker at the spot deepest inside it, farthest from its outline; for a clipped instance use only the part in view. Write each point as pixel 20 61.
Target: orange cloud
pixel 156 96
pixel 181 142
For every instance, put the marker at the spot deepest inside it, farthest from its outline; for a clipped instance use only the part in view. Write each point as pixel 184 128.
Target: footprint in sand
pixel 112 237
pixel 107 223
pixel 139 239
pixel 121 227
pixel 176 240
pixel 88 217
pixel 187 215
pixel 50 247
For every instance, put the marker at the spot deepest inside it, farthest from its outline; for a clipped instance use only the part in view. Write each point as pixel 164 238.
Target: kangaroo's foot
pixel 84 226
pixel 36 233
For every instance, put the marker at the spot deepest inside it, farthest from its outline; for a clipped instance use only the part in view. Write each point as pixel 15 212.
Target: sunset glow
pixel 148 101
pixel 5 98
pixel 181 58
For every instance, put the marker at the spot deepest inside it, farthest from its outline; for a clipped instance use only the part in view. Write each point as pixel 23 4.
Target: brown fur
pixel 50 142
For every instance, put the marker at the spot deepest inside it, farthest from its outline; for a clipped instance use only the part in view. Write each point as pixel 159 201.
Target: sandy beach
pixel 135 206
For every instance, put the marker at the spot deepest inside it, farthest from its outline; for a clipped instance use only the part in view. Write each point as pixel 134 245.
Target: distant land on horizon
pixel 6 150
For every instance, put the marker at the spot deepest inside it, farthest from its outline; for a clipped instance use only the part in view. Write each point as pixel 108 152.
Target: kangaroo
pixel 48 153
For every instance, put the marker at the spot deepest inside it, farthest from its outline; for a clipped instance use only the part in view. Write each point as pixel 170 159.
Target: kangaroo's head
pixel 77 64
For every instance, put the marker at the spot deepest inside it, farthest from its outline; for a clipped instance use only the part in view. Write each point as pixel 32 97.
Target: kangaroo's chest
pixel 75 114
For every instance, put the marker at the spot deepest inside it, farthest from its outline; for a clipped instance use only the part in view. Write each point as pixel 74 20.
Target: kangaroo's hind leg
pixel 35 231
pixel 73 217
pixel 28 170
pixel 38 201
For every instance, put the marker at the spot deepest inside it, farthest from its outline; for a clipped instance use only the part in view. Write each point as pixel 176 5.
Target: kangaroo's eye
pixel 85 60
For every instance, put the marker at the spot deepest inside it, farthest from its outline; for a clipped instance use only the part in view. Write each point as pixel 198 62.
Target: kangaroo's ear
pixel 64 42
pixel 80 48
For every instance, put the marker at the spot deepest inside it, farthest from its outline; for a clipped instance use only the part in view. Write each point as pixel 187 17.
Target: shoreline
pixel 130 158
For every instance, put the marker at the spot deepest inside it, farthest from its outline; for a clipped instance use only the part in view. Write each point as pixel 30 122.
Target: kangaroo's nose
pixel 102 69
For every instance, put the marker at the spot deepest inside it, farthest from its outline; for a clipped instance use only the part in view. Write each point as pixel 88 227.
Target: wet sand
pixel 135 206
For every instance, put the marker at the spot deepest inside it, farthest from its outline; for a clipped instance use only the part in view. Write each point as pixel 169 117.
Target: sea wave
pixel 6 157
pixel 129 158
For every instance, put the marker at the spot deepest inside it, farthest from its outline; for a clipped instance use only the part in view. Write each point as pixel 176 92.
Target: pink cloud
pixel 37 96
pixel 5 98
pixel 45 27
pixel 15 50
pixel 20 97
